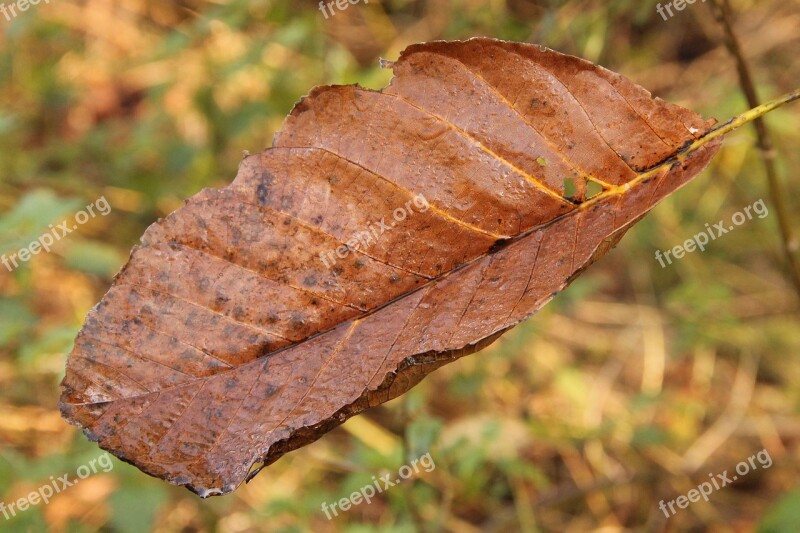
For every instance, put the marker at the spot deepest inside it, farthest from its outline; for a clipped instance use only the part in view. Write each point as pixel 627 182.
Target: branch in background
pixel 791 246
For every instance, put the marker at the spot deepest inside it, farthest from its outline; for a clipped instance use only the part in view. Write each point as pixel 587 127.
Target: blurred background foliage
pixel 629 388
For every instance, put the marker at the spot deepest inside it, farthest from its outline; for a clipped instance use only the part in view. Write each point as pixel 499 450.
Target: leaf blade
pixel 224 344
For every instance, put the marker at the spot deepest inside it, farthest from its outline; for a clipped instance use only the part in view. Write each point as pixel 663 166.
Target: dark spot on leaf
pixel 498 245
pixel 236 235
pixel 536 103
pixel 263 189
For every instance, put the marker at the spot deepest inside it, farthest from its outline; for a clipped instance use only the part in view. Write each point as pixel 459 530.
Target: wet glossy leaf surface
pixel 259 316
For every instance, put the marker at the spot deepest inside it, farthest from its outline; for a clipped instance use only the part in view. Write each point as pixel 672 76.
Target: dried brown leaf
pixel 226 341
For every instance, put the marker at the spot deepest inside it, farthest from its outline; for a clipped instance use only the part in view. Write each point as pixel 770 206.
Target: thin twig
pixel 791 246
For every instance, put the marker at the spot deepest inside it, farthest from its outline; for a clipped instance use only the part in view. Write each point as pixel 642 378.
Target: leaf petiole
pixel 746 117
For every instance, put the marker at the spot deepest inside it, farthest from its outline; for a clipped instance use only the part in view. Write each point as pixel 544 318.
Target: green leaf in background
pixel 422 435
pixel 49 348
pixel 7 123
pixel 31 217
pixel 8 460
pixel 135 502
pixel 649 435
pixel 784 516
pixel 14 319
pixel 29 520
pixel 94 258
